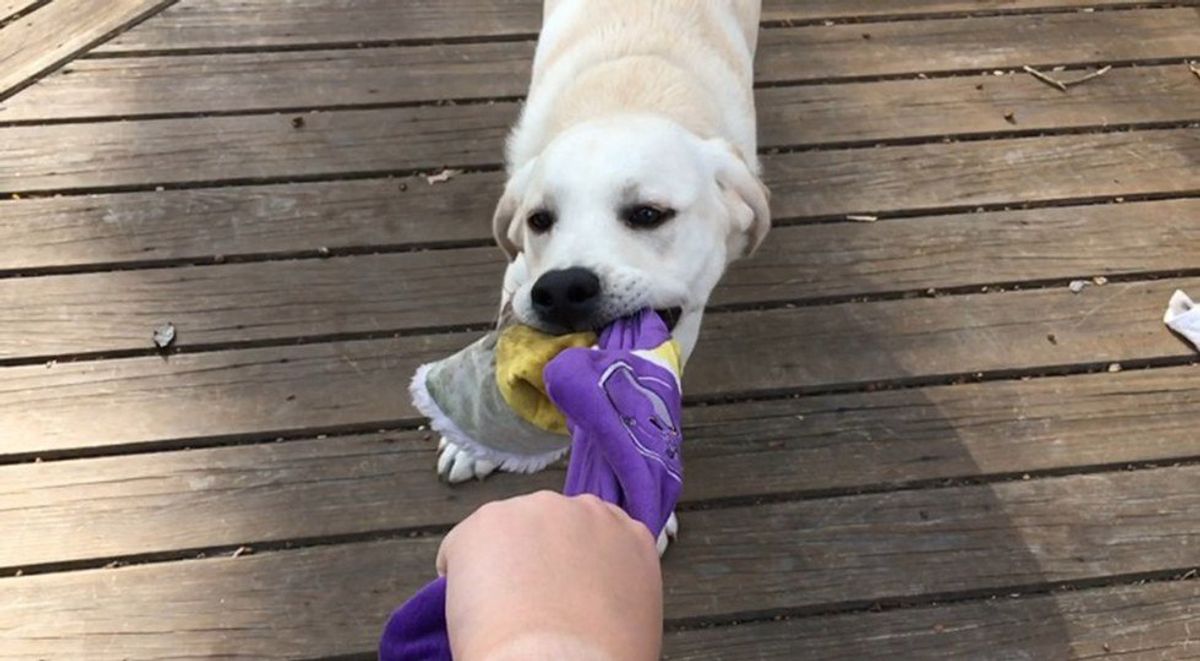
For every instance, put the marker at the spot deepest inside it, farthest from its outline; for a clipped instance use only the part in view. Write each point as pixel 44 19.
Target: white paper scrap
pixel 1183 317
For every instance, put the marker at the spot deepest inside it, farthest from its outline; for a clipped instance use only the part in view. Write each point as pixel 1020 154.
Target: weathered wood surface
pixel 246 220
pixel 198 224
pixel 360 143
pixel 411 291
pixel 10 8
pixel 271 390
pixel 214 24
pixel 59 31
pixel 968 174
pixel 977 43
pixel 859 549
pixel 1136 621
pixel 132 87
pixel 768 558
pixel 354 499
pixel 233 149
pixel 94 509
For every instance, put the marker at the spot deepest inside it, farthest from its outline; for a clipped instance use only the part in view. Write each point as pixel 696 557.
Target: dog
pixel 633 176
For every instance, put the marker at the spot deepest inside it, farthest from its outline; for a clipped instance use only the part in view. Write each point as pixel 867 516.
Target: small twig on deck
pixel 1084 79
pixel 1044 78
pixel 1064 84
pixel 1194 69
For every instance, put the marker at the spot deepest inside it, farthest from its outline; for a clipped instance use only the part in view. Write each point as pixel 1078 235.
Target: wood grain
pixel 183 224
pixel 10 8
pixel 139 86
pixel 1004 42
pixel 130 86
pixel 967 174
pixel 90 509
pixel 281 300
pixel 779 556
pixel 1150 621
pixel 271 390
pixel 353 499
pixel 356 143
pixel 59 31
pixel 197 224
pixel 214 24
pixel 232 149
pixel 1022 533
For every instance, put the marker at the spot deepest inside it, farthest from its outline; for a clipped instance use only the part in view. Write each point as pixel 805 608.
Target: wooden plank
pixel 197 224
pixel 214 24
pixel 1022 533
pixel 255 81
pixel 227 393
pixel 248 302
pixel 224 150
pixel 95 509
pixel 265 391
pixel 780 556
pixel 807 114
pixel 785 10
pixel 104 312
pixel 186 224
pixel 243 81
pixel 9 9
pixel 60 31
pixel 1136 621
pixel 231 149
pixel 969 174
pixel 1003 42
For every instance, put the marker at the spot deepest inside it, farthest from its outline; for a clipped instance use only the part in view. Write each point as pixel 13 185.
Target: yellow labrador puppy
pixel 633 170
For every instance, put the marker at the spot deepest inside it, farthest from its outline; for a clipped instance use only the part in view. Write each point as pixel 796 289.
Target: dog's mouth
pixel 670 316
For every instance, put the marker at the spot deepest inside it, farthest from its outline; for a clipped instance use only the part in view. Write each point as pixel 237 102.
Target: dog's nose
pixel 567 297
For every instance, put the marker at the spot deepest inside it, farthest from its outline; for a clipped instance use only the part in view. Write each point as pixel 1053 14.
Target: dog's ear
pixel 506 227
pixel 745 197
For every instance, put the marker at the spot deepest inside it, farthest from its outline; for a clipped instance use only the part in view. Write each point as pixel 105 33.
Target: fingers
pixel 532 511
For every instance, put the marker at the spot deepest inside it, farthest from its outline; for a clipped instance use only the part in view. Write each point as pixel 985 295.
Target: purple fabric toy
pixel 623 410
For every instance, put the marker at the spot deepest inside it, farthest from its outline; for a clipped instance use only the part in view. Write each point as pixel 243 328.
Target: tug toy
pixel 491 398
pixel 522 399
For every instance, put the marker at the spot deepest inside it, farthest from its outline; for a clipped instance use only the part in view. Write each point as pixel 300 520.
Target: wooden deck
pixel 907 438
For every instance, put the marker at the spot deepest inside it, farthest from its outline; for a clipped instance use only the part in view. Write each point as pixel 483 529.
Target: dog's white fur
pixel 635 102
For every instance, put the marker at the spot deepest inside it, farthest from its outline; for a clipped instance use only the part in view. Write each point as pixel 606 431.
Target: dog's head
pixel 627 213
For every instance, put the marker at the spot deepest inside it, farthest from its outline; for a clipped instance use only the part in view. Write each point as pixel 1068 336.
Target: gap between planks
pixel 57 98
pixel 308 432
pixel 431 167
pixel 773 20
pixel 485 241
pixel 1146 617
pixel 465 498
pixel 53 34
pixel 1135 338
pixel 994 288
pixel 1016 528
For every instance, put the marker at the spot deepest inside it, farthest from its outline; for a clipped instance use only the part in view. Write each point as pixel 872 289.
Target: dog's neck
pixel 636 84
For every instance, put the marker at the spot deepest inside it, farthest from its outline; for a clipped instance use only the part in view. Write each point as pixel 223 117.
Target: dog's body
pixel 687 61
pixel 633 170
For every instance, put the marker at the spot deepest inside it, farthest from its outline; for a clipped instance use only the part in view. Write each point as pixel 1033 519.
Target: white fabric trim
pixel 441 423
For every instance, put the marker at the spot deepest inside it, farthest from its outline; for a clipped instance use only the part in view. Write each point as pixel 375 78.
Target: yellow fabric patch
pixel 521 356
pixel 668 355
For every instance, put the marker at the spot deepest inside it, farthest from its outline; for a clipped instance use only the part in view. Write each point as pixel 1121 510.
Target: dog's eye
pixel 645 217
pixel 540 221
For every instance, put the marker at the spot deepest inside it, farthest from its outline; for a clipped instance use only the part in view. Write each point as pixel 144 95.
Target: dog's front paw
pixel 458 464
pixel 670 531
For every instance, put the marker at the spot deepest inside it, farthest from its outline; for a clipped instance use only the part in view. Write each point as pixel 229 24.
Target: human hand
pixel 545 576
